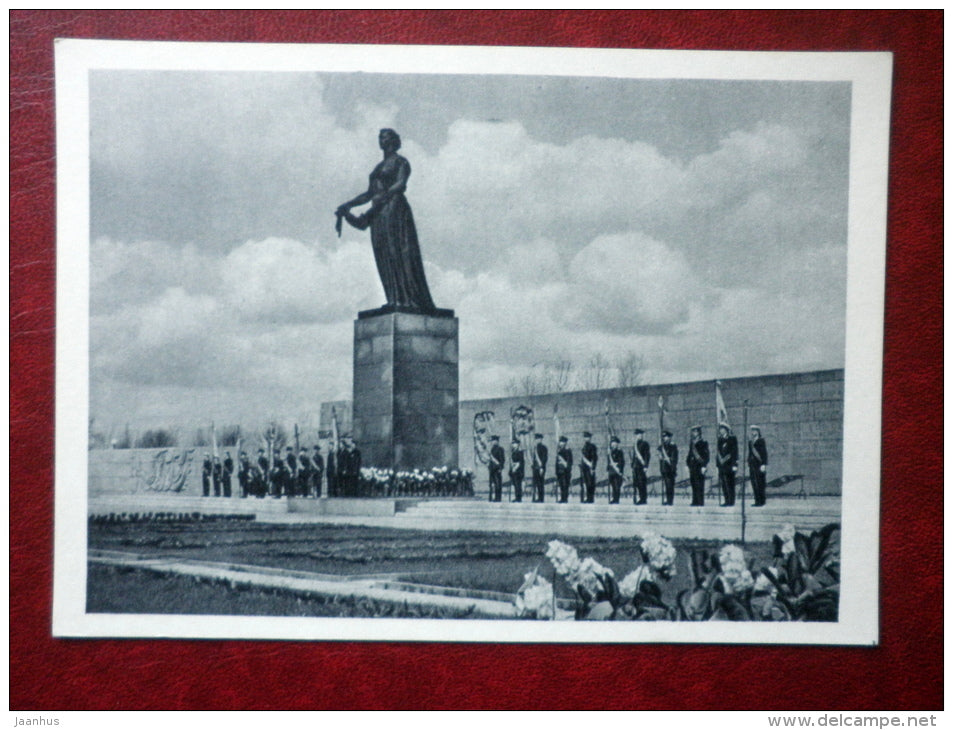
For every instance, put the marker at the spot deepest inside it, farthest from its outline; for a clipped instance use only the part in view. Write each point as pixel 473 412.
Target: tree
pixel 595 375
pixel 631 367
pixel 543 378
pixel 156 438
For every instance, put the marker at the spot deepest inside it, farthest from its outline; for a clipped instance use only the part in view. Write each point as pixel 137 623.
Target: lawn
pixel 477 560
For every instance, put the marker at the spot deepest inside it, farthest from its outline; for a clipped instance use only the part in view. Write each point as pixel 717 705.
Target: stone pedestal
pixel 406 389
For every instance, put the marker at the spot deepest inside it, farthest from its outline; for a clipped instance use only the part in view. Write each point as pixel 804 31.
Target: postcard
pixel 468 344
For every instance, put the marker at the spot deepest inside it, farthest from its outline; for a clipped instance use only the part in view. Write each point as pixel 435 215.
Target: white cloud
pixel 281 280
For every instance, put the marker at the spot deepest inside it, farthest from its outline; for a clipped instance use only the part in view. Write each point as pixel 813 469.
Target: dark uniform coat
pixel 540 458
pixel 517 472
pixel 727 461
pixel 697 459
pixel 639 467
pixel 591 454
pixel 495 468
pixel 564 472
pixel 616 469
pixel 668 467
pixel 758 458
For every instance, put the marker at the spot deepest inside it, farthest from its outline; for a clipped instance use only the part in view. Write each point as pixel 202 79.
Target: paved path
pixel 482 604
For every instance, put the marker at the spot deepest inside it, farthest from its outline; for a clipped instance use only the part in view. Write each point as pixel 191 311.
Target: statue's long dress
pixel 394 239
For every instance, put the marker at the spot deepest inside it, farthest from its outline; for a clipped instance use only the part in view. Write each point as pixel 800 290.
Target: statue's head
pixel 389 139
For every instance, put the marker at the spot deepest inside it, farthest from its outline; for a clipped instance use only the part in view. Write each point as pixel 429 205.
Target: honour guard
pixel 726 459
pixel 540 459
pixel 758 466
pixel 317 470
pixel 304 473
pixel 206 475
pixel 616 467
pixel 331 469
pixel 668 466
pixel 495 466
pixel 228 468
pixel 517 470
pixel 641 455
pixel 278 484
pixel 244 474
pixel 263 474
pixel 351 464
pixel 587 468
pixel 216 476
pixel 697 462
pixel 564 468
pixel 291 464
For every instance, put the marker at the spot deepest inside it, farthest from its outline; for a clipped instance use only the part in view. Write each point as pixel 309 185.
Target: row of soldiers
pixel 300 475
pixel 697 460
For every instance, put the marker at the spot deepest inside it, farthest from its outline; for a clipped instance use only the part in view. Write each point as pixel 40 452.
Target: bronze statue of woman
pixel 393 234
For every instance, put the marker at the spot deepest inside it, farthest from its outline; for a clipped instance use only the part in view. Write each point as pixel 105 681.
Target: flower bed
pixel 440 481
pixel 801 583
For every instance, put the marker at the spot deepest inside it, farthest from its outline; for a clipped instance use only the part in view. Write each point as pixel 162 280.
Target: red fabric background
pixel 904 672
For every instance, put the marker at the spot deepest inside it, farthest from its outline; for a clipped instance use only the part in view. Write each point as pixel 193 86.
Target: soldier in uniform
pixel 758 466
pixel 352 462
pixel 540 459
pixel 495 468
pixel 668 466
pixel 278 487
pixel 726 459
pixel 517 470
pixel 587 468
pixel 317 470
pixel 228 467
pixel 564 468
pixel 244 475
pixel 697 462
pixel 206 475
pixel 641 455
pixel 263 474
pixel 291 465
pixel 616 468
pixel 216 476
pixel 304 473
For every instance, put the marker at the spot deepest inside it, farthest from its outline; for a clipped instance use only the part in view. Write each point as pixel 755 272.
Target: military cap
pixel 640 430
pixel 614 440
pixel 261 451
pixel 516 442
pixel 696 428
pixel 755 428
pixel 667 433
pixel 563 440
pixel 494 438
pixel 587 434
pixel 724 426
pixel 244 453
pixel 289 449
pixel 539 435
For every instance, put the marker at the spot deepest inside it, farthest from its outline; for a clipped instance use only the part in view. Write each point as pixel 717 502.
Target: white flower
pixel 590 575
pixel 734 569
pixel 630 585
pixel 564 557
pixel 659 553
pixel 786 536
pixel 535 597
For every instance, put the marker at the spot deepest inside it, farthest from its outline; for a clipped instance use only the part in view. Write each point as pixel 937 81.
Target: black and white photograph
pixel 469 344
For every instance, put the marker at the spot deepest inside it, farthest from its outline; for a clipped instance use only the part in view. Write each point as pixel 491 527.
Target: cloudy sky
pixel 700 224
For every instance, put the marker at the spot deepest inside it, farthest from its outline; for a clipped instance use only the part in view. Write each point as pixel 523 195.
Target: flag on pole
pixel 214 442
pixel 334 428
pixel 720 410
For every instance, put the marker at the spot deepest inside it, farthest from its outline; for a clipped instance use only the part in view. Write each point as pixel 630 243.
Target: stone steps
pixel 622 520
